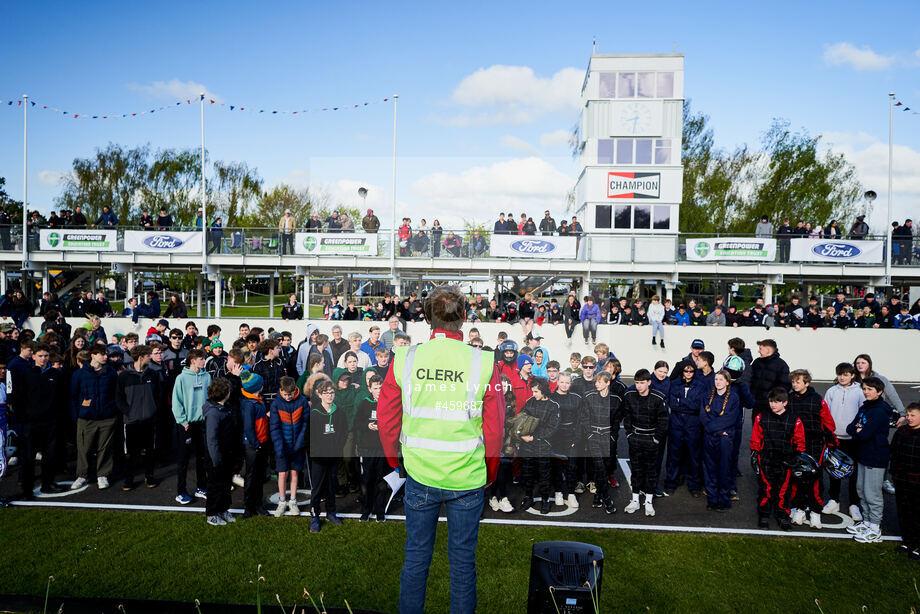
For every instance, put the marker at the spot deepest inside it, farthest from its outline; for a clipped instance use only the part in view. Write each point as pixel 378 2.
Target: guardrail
pixel 430 243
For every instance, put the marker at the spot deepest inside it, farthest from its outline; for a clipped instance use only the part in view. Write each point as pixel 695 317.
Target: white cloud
pixel 559 138
pixel 513 142
pixel 864 58
pixel 870 157
pixel 515 95
pixel 480 192
pixel 175 89
pixel 51 177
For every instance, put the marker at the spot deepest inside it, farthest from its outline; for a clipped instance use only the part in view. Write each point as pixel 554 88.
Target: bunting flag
pixel 906 108
pixel 9 103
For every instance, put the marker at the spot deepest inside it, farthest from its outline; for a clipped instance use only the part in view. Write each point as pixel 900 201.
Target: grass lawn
pixel 177 556
pixel 257 307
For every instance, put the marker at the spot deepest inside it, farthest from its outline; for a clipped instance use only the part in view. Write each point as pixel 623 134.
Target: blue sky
pixel 486 91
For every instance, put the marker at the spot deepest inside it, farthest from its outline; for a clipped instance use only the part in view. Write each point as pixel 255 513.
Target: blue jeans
pixel 423 505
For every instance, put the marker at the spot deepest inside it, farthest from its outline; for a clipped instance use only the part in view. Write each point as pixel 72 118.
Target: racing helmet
pixel 508 346
pixel 804 466
pixel 837 463
pixel 735 366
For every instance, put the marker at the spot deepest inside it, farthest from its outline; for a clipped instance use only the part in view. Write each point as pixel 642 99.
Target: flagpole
pixel 204 205
pixel 890 181
pixel 393 229
pixel 25 183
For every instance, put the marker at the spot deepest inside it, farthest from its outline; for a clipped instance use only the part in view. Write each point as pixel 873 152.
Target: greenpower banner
pixel 732 248
pixel 67 240
pixel 318 243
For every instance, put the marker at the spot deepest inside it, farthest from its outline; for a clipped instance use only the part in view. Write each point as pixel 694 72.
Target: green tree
pixel 13 207
pixel 174 183
pixel 236 186
pixel 115 177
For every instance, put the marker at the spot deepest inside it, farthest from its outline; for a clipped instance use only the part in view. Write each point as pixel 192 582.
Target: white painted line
pixel 495 521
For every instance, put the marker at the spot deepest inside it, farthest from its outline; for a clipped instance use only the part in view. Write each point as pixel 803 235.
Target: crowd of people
pixel 902 235
pixel 263 404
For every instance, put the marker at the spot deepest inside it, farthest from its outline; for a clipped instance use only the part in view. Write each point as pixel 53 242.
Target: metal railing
pixel 447 243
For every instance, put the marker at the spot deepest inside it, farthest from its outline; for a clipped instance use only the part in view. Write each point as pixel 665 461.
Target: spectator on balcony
pixel 153 305
pixel 477 244
pixel 314 224
pixel 215 235
pixel 199 219
pixel 78 220
pixel 404 234
pixel 164 220
pixel 55 222
pixel 511 227
pixel 333 223
pixel 859 230
pixel 886 317
pixel 575 228
pixel 832 230
pixel 870 302
pixel 521 224
pixel 6 224
pixel 347 224
pixel 132 310
pixel 452 244
pixel 421 240
pixel 287 225
pixel 107 219
pixel 563 229
pixel 547 224
pixel 800 231
pixel 351 312
pixel 530 228
pixel 784 233
pixel 370 223
pixel 764 228
pixel 146 222
pixel 717 317
pixel 176 308
pixel 902 239
pixel 436 233
pixel 499 227
pixel 101 306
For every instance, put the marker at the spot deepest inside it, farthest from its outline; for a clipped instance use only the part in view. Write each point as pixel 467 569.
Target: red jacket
pixel 522 391
pixel 389 417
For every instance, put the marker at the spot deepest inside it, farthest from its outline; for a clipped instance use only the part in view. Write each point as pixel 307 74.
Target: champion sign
pixel 533 246
pixel 634 185
pixel 837 251
pixel 163 242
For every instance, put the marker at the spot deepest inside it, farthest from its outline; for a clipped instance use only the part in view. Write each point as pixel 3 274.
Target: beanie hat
pixel 523 359
pixel 252 382
pixel 217 343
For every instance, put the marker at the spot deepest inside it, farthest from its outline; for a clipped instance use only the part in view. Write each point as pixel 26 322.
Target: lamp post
pixel 888 249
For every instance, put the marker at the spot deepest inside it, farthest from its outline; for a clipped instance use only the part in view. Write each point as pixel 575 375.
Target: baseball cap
pixel 698 344
pixel 164 322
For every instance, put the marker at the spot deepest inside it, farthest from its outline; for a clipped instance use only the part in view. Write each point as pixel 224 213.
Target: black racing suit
pixel 596 431
pixel 537 453
pixel 645 420
pixel 568 443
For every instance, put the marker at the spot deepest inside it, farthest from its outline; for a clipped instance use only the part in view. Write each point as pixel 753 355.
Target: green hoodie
pixel 189 394
pixel 348 399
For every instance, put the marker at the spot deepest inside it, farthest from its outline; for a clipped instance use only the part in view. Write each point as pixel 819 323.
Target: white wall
pixel 893 352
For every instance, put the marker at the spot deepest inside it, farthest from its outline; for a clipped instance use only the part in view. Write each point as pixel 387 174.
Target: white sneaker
pixel 855 514
pixel 649 509
pixel 505 505
pixel 38 456
pixel 815 520
pixel 279 511
pixel 559 500
pixel 493 503
pixel 13 461
pixel 216 521
pixel 238 481
pixel 830 507
pixel 870 536
pixel 78 483
pixel 572 502
pixel 632 507
pixel 228 517
pixel 859 527
pixel 592 488
pixel 798 517
pixel 102 482
pixel 292 509
pixel 888 487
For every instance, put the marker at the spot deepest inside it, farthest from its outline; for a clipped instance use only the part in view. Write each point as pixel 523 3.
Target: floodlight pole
pixel 890 182
pixel 204 205
pixel 25 182
pixel 393 243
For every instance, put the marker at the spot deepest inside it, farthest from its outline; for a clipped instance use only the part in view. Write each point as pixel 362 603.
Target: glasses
pixel 175 336
pixel 588 367
pixel 324 393
pixel 689 370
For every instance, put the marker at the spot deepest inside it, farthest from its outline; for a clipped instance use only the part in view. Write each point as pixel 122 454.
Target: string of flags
pixel 905 108
pixel 17 102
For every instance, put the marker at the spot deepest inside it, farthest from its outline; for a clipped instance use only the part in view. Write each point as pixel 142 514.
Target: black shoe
pixel 784 524
pixel 545 506
pixel 669 491
pixel 526 503
pixel 722 508
pixel 609 507
pixel 659 493
pixel 52 489
pixel 25 495
pixel 127 486
pixel 763 523
pixel 151 482
pixel 248 514
pixel 364 517
pixel 710 507
pixel 598 502
pixel 654 342
pixel 662 344
pixel 263 512
pixel 696 494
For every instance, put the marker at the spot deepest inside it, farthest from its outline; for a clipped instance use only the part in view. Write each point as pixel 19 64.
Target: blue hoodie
pixel 539 370
pixel 872 440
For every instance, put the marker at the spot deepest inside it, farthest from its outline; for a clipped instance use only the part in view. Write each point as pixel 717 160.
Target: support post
pixel 669 291
pixel 130 285
pixel 768 293
pixel 218 293
pixel 306 297
pixel 271 295
pixel 46 281
pixel 3 282
pixel 92 282
pixel 198 296
pixel 585 288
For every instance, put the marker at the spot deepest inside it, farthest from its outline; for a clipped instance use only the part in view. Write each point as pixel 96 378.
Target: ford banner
pixel 67 240
pixel 162 242
pixel 532 246
pixel 842 251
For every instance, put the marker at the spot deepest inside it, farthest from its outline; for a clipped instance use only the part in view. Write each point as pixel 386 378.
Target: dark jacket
pixel 292 312
pixel 547 411
pixel 905 455
pixel 327 432
pixel 219 430
pixel 645 416
pixel 872 439
pixel 45 396
pixel 719 412
pixel 255 421
pixel 136 394
pixel 98 387
pixel 766 374
pixel 368 440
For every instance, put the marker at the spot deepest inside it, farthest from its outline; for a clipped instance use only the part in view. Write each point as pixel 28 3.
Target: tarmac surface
pixel 680 512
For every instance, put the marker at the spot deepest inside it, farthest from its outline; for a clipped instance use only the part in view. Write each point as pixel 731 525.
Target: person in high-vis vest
pixel 441 419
